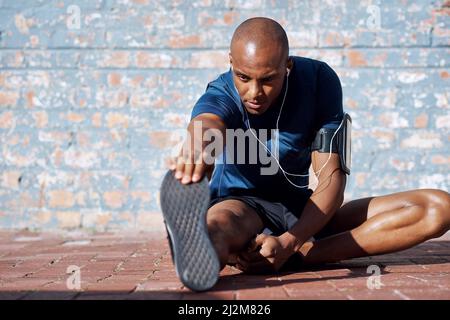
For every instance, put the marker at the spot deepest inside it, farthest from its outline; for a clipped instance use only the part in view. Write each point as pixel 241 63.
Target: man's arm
pixel 268 253
pixel 323 203
pixel 190 164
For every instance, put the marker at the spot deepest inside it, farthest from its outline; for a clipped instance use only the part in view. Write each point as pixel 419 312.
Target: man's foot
pixel 184 209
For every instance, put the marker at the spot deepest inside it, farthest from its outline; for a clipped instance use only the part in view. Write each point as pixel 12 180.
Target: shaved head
pixel 260 33
pixel 259 56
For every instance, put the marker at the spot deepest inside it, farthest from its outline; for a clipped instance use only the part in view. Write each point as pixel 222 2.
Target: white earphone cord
pixel 285 173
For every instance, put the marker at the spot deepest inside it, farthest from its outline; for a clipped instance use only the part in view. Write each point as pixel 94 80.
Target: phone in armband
pixel 340 144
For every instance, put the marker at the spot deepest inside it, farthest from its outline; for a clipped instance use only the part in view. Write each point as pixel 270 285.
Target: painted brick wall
pixel 94 93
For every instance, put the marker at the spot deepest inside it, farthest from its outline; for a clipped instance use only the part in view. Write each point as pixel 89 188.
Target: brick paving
pixel 139 266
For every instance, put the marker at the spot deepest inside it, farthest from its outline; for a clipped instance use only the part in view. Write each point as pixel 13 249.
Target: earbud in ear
pixel 288 71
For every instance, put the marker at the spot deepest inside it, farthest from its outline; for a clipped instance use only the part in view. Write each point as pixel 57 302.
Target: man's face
pixel 258 75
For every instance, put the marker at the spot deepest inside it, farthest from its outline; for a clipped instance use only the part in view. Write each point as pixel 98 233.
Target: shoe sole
pixel 184 209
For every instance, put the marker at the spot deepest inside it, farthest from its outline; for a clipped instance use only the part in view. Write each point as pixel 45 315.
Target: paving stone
pixel 115 266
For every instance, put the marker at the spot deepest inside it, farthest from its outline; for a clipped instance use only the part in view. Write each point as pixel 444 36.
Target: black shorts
pixel 277 217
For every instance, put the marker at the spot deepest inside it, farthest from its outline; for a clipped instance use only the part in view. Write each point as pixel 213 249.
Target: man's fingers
pixel 188 170
pixel 199 171
pixel 171 163
pixel 189 166
pixel 257 242
pixel 179 168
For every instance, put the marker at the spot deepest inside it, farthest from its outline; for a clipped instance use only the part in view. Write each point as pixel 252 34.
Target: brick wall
pixel 90 106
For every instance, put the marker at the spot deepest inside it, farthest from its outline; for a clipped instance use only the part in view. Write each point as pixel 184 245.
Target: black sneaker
pixel 184 209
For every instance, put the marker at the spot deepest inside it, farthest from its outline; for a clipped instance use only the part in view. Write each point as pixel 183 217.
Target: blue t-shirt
pixel 313 101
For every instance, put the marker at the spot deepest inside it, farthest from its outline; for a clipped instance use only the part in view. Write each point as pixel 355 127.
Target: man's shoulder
pixel 222 88
pixel 221 84
pixel 221 81
pixel 308 65
pixel 305 72
pixel 305 61
pixel 311 71
pixel 221 99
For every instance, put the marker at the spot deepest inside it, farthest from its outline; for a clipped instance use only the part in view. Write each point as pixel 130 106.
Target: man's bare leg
pixel 380 225
pixel 231 225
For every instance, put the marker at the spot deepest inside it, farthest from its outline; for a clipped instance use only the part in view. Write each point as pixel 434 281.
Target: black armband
pixel 341 143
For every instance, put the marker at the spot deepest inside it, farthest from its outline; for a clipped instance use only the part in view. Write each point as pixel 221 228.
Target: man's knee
pixel 235 219
pixel 221 222
pixel 232 224
pixel 437 209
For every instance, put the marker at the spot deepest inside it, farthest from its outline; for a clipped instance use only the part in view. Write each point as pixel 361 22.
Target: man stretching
pixel 267 219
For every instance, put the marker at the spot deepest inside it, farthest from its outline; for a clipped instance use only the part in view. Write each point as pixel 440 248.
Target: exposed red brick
pixel 115 199
pixel 29 98
pixel 421 121
pixel 141 2
pixel 230 17
pixel 183 41
pixel 75 117
pixel 10 179
pixel 161 139
pixel 209 59
pixel 61 199
pixel 444 75
pixel 114 79
pixel 440 159
pixel 356 59
pixel 8 98
pixel 114 119
pixel 119 59
pixel 6 119
pixel 96 119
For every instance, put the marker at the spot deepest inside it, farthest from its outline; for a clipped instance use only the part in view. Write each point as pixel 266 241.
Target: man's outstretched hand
pixel 194 162
pixel 189 166
pixel 266 254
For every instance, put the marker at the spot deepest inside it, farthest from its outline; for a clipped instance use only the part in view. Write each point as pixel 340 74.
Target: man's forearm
pixel 319 209
pixel 196 157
